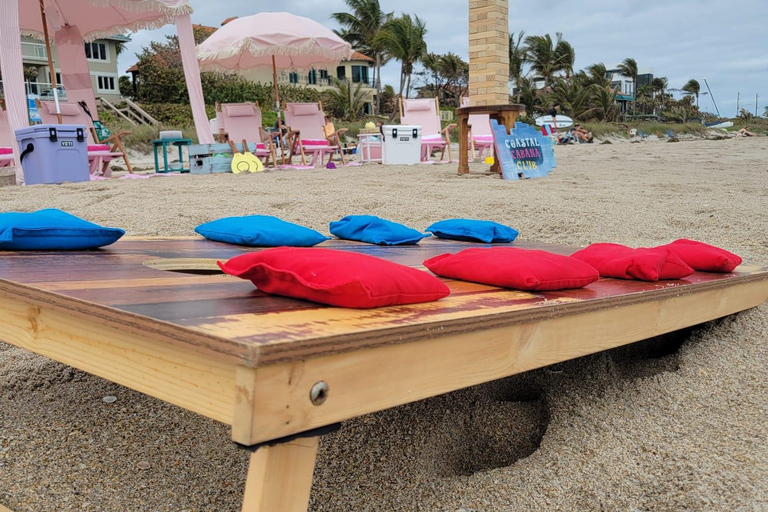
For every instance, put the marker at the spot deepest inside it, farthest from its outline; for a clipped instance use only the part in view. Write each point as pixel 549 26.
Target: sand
pixel 673 423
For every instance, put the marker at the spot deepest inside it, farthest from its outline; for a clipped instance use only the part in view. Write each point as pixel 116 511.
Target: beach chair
pixel 480 134
pixel 100 151
pixel 672 136
pixel 6 139
pixel 642 134
pixel 238 121
pixel 426 113
pixel 307 133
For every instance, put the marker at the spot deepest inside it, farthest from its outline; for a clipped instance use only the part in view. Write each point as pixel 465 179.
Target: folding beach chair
pixel 672 136
pixel 307 133
pixel 642 134
pixel 238 121
pixel 426 113
pixel 100 153
pixel 480 134
pixel 6 139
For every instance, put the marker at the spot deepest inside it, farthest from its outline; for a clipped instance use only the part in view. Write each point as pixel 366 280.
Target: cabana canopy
pixel 72 22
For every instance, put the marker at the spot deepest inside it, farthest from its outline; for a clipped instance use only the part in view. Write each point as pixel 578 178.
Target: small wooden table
pixel 504 114
pixel 179 143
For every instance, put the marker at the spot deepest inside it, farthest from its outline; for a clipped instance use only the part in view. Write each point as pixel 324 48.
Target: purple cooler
pixel 53 153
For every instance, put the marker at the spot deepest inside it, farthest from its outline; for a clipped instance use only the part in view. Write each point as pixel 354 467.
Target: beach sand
pixel 672 423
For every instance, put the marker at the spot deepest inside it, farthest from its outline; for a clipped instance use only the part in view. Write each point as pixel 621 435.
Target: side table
pixel 365 142
pixel 504 114
pixel 164 143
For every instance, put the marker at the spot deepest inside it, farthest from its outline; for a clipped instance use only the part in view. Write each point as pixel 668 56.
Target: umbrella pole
pixel 277 104
pixel 50 60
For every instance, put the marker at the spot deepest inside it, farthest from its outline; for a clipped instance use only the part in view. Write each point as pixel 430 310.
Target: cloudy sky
pixel 724 41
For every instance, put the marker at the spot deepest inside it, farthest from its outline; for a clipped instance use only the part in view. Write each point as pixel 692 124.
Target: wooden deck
pixel 215 345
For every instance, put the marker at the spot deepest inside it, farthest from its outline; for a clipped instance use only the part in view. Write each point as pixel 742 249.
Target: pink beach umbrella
pixel 70 23
pixel 272 39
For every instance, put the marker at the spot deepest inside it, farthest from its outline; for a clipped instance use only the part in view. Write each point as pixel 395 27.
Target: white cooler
pixel 402 144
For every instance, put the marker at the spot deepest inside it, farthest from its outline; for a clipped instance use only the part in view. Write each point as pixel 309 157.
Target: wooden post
pixel 280 477
pixel 488 52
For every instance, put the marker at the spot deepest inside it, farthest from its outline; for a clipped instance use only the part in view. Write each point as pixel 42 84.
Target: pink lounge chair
pixel 6 141
pixel 480 134
pixel 239 121
pixel 426 113
pixel 99 151
pixel 309 132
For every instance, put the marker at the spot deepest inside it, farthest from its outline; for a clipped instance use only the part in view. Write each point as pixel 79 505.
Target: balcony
pixel 34 51
pixel 41 89
pixel 303 80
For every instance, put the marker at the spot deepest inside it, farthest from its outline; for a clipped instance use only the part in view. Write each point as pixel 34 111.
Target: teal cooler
pixel 53 153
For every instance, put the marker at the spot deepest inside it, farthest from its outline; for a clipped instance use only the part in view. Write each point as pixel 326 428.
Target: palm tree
pixel 345 102
pixel 692 87
pixel 403 39
pixel 598 74
pixel 360 28
pixel 548 57
pixel 628 68
pixel 517 58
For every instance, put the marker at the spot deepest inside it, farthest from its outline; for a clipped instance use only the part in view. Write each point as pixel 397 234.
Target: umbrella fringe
pixel 208 59
pixel 116 31
pixel 145 5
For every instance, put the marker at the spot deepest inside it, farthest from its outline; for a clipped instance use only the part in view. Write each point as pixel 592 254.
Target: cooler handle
pixel 52 134
pixel 415 132
pixel 394 133
pixel 30 148
pixel 80 135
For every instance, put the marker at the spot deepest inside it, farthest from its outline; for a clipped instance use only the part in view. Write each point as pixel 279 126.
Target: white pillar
pixel 13 74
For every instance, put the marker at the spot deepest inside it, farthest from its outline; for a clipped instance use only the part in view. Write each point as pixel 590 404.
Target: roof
pixel 360 56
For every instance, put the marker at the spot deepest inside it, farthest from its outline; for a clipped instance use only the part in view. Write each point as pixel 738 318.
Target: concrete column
pixel 488 52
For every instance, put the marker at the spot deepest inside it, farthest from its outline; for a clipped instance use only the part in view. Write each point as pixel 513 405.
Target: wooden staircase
pixel 131 112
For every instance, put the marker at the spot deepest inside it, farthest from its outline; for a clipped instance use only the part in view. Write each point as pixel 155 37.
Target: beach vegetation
pixel 361 28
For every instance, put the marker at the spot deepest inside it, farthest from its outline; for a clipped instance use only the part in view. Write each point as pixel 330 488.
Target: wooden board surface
pixel 228 318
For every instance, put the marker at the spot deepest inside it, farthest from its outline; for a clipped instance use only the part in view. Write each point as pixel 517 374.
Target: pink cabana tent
pixel 72 22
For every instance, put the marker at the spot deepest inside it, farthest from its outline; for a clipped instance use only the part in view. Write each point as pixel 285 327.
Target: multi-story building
pixel 102 61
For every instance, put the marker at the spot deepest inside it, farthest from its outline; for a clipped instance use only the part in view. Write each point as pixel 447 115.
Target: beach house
pixel 102 61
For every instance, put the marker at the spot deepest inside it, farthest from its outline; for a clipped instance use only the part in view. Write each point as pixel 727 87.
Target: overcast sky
pixel 724 41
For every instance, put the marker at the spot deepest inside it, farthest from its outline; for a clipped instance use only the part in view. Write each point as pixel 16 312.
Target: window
pixel 341 73
pixel 293 78
pixel 312 77
pixel 58 78
pixel 96 51
pixel 360 74
pixel 105 83
pixel 323 74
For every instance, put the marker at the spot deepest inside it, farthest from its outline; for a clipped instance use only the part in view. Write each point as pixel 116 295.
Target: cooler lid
pixel 43 130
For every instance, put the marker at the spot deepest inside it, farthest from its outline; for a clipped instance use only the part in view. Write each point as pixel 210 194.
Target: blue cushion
pixel 52 230
pixel 374 230
pixel 259 231
pixel 473 230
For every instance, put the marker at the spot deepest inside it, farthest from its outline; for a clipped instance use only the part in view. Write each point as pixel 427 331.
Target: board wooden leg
pixel 463 121
pixel 280 477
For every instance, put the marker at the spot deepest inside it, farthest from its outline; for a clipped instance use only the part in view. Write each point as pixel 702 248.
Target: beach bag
pixel 102 132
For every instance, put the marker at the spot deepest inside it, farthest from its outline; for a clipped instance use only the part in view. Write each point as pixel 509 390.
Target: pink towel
pixel 6 151
pixel 97 147
pixel 314 142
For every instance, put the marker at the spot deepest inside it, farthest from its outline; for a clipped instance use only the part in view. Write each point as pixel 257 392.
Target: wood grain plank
pixel 370 380
pixel 183 377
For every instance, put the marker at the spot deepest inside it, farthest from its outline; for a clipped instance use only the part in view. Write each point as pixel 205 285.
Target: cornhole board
pixel 281 371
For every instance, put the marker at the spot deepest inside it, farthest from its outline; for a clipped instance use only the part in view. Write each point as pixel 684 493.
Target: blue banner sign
pixel 523 152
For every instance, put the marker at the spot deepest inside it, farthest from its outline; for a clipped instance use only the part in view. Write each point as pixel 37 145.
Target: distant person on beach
pixel 744 132
pixel 582 134
pixel 553 112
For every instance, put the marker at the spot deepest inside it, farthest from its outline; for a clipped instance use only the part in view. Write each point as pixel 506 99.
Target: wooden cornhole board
pixel 214 345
